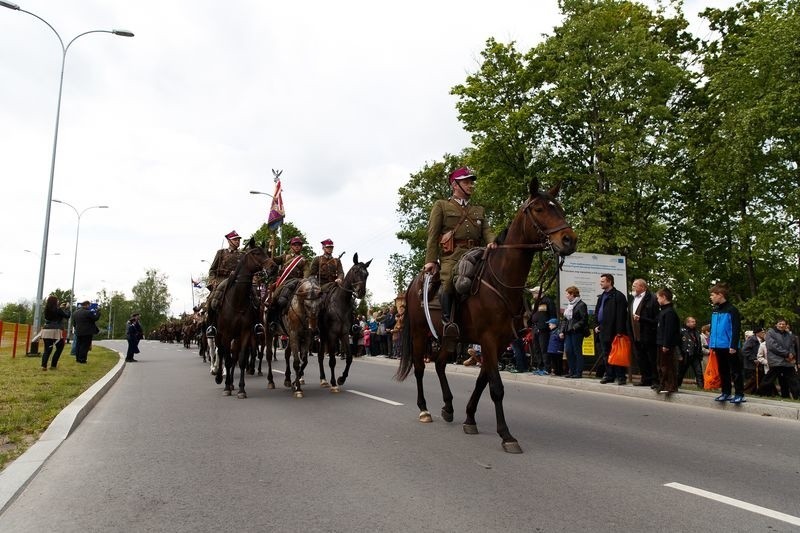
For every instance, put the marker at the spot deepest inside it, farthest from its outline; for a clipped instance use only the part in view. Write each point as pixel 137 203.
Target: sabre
pixel 425 286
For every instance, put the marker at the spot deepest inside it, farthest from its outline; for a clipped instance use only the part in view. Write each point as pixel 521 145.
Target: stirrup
pixel 258 329
pixel 211 332
pixel 450 330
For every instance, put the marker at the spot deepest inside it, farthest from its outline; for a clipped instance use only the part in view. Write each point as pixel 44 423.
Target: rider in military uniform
pixel 326 268
pixel 469 228
pixel 224 263
pixel 293 266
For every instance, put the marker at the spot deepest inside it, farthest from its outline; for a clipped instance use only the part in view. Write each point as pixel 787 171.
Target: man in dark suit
pixel 643 309
pixel 84 319
pixel 611 313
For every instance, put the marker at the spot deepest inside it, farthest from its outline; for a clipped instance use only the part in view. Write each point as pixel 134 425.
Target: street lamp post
pixel 280 229
pixel 122 33
pixel 72 298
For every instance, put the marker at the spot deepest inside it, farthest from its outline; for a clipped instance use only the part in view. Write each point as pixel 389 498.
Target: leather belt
pixel 465 243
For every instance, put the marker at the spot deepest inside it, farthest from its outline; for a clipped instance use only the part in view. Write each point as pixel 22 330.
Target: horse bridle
pixel 546 245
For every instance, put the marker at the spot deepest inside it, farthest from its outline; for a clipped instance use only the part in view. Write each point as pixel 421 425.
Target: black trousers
pixel 730 368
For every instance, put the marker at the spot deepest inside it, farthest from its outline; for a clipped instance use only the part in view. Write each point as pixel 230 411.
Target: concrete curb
pixel 753 406
pixel 17 474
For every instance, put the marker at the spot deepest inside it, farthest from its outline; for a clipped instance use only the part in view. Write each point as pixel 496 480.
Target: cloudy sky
pixel 173 127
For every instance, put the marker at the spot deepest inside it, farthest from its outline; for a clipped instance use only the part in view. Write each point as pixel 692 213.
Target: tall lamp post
pixel 72 299
pixel 280 230
pixel 40 286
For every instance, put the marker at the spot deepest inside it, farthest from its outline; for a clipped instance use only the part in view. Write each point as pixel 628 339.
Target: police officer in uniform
pixel 326 268
pixel 224 263
pixel 293 266
pixel 454 227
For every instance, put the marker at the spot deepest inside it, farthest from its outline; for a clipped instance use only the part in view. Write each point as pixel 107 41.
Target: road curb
pixel 753 406
pixel 17 474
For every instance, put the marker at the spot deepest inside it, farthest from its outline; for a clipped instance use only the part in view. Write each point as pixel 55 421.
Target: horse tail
pixel 406 352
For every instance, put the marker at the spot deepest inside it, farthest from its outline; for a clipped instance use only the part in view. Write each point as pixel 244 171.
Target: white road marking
pixel 371 397
pixel 364 394
pixel 737 503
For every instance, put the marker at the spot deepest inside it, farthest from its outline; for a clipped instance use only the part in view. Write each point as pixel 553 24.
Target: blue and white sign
pixel 583 271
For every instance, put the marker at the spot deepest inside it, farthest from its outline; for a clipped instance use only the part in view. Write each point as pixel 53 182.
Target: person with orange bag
pixel 611 312
pixel 726 328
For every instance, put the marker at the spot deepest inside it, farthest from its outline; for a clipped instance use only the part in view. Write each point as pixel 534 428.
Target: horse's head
pixel 545 221
pixel 356 278
pixel 257 259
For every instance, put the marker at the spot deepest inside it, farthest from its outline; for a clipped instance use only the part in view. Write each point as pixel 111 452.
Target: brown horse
pixel 492 314
pixel 238 315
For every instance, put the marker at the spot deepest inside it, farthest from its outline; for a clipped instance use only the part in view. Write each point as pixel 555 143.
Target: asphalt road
pixel 165 451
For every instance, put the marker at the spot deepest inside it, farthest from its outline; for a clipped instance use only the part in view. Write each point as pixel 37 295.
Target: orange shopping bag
pixel 620 354
pixel 711 373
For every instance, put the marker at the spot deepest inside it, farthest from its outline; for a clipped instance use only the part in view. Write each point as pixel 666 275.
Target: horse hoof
pixel 447 416
pixel 340 381
pixel 324 384
pixel 302 381
pixel 260 373
pixel 242 395
pixel 298 394
pixel 287 383
pixel 250 372
pixel 226 393
pixel 334 389
pixel 270 385
pixel 470 429
pixel 512 447
pixel 218 379
pixel 425 417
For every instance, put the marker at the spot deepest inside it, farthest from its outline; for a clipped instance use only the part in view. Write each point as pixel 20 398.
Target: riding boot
pixel 211 330
pixel 450 331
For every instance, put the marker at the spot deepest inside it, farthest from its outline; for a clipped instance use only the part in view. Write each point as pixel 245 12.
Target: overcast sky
pixel 173 127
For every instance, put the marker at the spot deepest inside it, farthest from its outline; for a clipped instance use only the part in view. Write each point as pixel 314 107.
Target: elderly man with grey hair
pixel 643 310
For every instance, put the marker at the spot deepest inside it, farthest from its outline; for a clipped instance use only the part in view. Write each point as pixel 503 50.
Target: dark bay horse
pixel 336 319
pixel 492 314
pixel 238 314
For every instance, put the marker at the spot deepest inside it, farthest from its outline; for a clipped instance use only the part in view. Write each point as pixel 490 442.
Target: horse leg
pixel 470 428
pixel 287 377
pixel 323 382
pixel 447 394
pixel 347 362
pixel 417 350
pixel 245 350
pixel 496 391
pixel 270 382
pixel 260 353
pixel 296 385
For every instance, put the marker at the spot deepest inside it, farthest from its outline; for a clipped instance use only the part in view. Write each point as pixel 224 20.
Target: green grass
pixel 30 399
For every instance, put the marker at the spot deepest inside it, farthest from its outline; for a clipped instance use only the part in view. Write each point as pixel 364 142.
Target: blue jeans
pixel 573 345
pixel 520 359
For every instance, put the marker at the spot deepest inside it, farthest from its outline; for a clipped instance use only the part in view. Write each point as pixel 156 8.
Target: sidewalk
pixel 754 405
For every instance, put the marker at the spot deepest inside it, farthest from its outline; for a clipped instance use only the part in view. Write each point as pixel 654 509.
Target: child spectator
pixel 555 348
pixel 367 339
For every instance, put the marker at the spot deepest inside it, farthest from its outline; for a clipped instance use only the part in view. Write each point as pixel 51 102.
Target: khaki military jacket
pixel 297 272
pixel 326 269
pixel 445 215
pixel 224 263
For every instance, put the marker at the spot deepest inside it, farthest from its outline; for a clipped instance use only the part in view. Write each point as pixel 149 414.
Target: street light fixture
pixel 43 256
pixel 72 298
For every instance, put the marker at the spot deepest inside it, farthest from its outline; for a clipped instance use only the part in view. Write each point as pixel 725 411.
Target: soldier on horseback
pixel 326 268
pixel 293 266
pixel 224 263
pixel 455 226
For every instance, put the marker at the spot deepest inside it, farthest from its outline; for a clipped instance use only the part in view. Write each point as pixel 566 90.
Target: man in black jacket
pixel 668 338
pixel 611 312
pixel 84 320
pixel 643 309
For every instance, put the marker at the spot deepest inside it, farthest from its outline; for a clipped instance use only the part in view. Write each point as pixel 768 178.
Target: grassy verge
pixel 30 399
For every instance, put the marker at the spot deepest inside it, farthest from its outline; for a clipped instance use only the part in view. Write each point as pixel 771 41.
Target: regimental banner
pixel 276 212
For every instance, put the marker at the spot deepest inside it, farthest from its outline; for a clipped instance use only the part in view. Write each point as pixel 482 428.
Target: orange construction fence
pixel 14 338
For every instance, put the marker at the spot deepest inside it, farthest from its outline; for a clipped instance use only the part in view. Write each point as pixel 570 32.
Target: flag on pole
pixel 276 212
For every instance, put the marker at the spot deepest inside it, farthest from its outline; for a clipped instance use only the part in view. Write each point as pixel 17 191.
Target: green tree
pixel 288 231
pixel 748 153
pixel 20 312
pixel 151 298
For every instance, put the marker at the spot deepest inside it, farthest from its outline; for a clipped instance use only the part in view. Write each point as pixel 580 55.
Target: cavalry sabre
pixel 425 286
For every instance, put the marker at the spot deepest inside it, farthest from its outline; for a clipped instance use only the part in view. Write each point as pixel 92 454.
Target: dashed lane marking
pixel 364 394
pixel 783 517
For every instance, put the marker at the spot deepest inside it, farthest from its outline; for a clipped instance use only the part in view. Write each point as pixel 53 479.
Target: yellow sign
pixel 588 345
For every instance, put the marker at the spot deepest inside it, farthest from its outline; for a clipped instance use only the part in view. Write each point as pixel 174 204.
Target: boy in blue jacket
pixel 726 327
